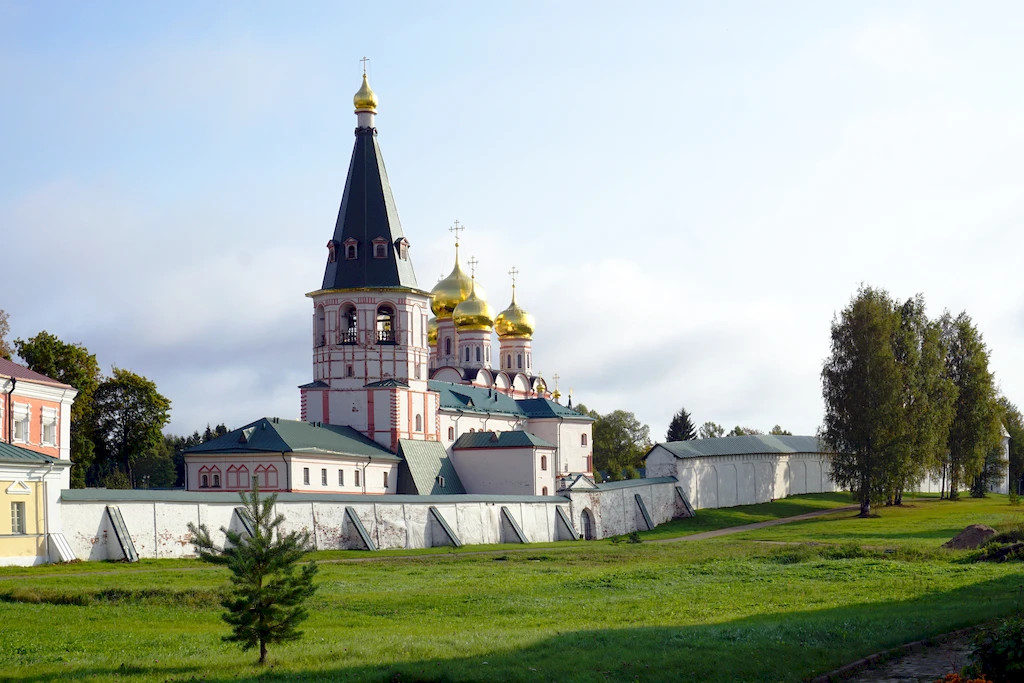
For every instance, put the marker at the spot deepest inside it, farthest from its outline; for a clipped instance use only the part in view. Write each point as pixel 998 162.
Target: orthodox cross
pixel 364 60
pixel 472 266
pixel 513 273
pixel 456 229
pixel 556 377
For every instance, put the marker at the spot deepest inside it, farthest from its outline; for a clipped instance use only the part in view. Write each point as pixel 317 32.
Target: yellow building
pixel 30 485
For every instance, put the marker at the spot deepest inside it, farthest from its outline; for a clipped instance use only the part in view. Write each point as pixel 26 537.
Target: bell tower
pixel 370 350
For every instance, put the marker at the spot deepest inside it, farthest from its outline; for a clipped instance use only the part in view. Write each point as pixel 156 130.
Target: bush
pixel 999 651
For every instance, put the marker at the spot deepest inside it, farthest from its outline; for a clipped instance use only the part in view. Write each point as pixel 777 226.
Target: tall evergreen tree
pixel 681 427
pixel 863 391
pixel 975 430
pixel 71 364
pixel 265 602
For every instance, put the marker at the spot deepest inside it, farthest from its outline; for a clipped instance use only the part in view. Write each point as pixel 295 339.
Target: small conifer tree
pixel 264 602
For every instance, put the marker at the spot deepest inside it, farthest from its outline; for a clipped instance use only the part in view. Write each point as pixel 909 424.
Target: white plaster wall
pixel 499 470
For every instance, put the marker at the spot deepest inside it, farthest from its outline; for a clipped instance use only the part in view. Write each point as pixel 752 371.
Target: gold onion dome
pixel 474 313
pixel 365 99
pixel 514 322
pixel 432 332
pixel 451 291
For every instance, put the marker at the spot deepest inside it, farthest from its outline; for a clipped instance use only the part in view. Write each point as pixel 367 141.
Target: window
pixel 544 463
pixel 508 361
pixel 204 481
pixel 385 480
pixel 341 477
pixel 266 476
pixel 349 333
pixel 467 354
pixel 350 249
pixel 21 422
pixel 323 477
pixel 380 251
pixel 216 481
pixel 402 247
pixel 330 252
pixel 321 327
pixel 357 478
pixel 451 433
pixel 440 481
pixel 478 354
pixel 447 347
pixel 419 423
pixel 350 371
pixel 583 439
pixel 528 361
pixel 386 325
pixel 232 477
pixel 544 491
pixel 520 361
pixel 305 476
pixel 49 427
pixel 18 518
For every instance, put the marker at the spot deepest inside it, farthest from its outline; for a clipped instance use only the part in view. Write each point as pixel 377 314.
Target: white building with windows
pixel 409 393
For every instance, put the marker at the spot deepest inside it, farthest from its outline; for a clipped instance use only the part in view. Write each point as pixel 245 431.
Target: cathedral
pixel 407 395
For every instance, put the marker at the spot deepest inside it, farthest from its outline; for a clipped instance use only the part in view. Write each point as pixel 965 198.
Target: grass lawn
pixel 726 609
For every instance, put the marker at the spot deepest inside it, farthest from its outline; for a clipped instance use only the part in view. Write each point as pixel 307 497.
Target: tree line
pixel 908 397
pixel 117 420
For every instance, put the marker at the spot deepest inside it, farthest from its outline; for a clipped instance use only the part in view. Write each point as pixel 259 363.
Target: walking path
pixel 921 662
pixel 756 525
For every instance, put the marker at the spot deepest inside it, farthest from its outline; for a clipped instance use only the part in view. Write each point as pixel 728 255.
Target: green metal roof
pixel 274 435
pixel 386 383
pixel 23 456
pixel 513 439
pixel 743 445
pixel 631 483
pixel 424 462
pixel 470 399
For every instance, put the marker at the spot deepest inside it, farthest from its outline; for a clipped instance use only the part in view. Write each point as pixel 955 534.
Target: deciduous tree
pixel 1014 423
pixel 265 602
pixel 744 431
pixel 681 427
pixel 5 329
pixel 130 414
pixel 711 430
pixel 620 442
pixel 71 364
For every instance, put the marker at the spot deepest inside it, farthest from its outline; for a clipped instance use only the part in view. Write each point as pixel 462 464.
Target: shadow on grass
pixel 778 647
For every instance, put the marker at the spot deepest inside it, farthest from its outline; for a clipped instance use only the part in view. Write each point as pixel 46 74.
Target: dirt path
pixel 756 525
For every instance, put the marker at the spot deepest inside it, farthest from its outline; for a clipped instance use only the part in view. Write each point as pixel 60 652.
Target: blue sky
pixel 690 190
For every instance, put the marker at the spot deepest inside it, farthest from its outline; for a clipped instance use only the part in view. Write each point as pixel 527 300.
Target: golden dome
pixel 514 322
pixel 451 291
pixel 474 313
pixel 365 99
pixel 432 332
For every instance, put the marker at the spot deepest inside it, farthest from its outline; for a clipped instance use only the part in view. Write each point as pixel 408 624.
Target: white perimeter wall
pixel 728 480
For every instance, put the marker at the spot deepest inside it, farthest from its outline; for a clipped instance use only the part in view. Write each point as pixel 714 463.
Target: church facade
pixel 408 374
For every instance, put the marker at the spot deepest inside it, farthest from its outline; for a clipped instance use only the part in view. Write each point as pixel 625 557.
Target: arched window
pixel 419 423
pixel 321 327
pixel 349 325
pixel 478 354
pixel 520 361
pixel 544 463
pixel 448 347
pixel 544 491
pixel 528 363
pixel 243 477
pixel 467 354
pixel 233 477
pixel 204 481
pixel 386 325
pixel 350 251
pixel 271 477
pixel 216 481
pixel 385 480
pixel 451 433
pixel 583 439
pixel 508 361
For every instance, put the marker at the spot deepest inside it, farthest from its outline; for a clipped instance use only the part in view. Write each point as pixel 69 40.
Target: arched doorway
pixel 587 521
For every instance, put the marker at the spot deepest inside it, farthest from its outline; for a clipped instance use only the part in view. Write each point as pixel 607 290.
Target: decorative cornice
pixel 367 130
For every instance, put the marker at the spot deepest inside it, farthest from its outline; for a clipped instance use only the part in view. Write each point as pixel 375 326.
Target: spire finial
pixel 364 60
pixel 514 272
pixel 472 266
pixel 456 229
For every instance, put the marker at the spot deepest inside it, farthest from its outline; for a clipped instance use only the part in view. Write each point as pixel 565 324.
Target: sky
pixel 691 191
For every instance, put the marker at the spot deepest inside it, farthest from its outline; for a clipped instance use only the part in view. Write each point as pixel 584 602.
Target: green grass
pixel 721 518
pixel 725 609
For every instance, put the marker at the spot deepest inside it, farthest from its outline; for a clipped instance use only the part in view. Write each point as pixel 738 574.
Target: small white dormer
pixel 351 248
pixel 402 248
pixel 380 248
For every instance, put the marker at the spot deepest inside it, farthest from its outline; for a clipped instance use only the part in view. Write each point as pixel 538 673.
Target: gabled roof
pixel 9 453
pixel 743 445
pixel 513 439
pixel 274 435
pixel 9 368
pixel 468 398
pixel 368 212
pixel 424 462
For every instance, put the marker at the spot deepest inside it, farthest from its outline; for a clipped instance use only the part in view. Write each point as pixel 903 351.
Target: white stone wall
pixel 616 512
pixel 159 528
pixel 729 480
pixel 515 471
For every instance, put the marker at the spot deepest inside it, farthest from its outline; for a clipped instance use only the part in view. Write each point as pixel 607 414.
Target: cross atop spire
pixel 513 273
pixel 456 229
pixel 472 266
pixel 364 60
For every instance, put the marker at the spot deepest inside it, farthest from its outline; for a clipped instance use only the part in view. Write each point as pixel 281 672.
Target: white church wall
pixel 497 470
